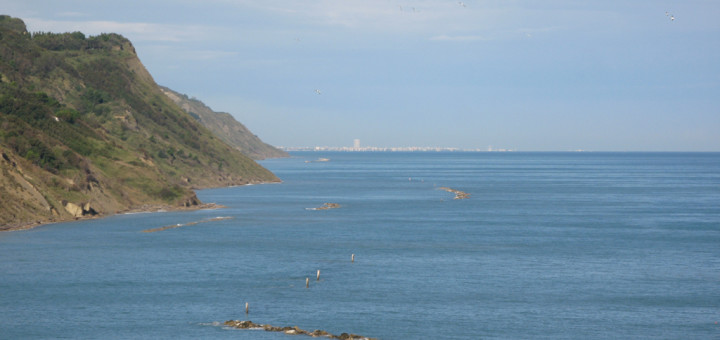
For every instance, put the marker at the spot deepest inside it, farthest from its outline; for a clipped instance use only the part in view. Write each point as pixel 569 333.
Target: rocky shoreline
pixel 293 330
pixel 142 209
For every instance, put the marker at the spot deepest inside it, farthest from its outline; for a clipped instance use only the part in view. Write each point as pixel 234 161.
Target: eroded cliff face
pixel 224 126
pixel 21 199
pixel 85 131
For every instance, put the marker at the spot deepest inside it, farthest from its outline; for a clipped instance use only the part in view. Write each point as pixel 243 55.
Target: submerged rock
pixel 326 206
pixel 214 219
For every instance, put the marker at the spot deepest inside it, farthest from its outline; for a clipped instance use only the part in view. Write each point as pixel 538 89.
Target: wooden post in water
pixel 352 258
pixel 307 282
pixel 247 307
pixel 318 275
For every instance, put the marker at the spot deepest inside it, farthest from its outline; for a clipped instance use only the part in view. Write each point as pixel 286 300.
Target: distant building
pixel 356 143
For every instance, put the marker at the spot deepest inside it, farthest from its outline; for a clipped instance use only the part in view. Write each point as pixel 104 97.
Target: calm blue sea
pixel 549 245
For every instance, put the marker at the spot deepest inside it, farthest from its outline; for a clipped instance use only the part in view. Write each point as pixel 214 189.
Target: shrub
pixel 67 115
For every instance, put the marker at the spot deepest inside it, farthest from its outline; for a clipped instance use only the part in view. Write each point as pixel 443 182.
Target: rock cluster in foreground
pixel 291 330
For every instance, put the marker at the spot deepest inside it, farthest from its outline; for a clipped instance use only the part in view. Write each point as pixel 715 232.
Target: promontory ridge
pixel 85 131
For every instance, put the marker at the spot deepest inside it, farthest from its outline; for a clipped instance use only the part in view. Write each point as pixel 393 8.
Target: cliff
pixel 86 131
pixel 224 126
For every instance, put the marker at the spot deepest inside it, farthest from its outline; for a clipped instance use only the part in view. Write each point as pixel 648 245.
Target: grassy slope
pixel 82 121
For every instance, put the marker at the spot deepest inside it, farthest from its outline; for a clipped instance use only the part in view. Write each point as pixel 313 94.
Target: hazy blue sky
pixel 528 75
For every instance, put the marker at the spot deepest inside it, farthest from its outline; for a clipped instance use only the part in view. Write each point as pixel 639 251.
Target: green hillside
pixel 85 130
pixel 224 126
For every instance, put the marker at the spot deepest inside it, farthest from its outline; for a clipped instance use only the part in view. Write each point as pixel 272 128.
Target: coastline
pixel 137 210
pixel 145 208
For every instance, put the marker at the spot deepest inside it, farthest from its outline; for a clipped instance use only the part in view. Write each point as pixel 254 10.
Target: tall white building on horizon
pixel 356 143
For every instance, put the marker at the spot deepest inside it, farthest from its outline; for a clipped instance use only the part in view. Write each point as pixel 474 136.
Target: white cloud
pixel 179 52
pixel 461 38
pixel 71 14
pixel 436 19
pixel 376 15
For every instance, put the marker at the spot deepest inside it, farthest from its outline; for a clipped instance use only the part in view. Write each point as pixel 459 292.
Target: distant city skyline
pixel 535 76
pixel 380 149
pixel 357 147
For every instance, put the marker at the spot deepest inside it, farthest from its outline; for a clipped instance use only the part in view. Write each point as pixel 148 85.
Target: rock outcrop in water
pixel 326 206
pixel 459 195
pixel 292 330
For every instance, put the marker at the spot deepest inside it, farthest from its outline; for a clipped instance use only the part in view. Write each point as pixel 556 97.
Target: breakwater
pixel 295 330
pixel 214 219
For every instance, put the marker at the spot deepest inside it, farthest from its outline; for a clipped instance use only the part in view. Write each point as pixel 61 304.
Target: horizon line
pixel 455 149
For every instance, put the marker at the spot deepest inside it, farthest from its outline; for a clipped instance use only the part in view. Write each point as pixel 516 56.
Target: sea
pixel 567 245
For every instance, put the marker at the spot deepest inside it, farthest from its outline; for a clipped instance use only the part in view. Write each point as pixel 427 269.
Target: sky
pixel 528 75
